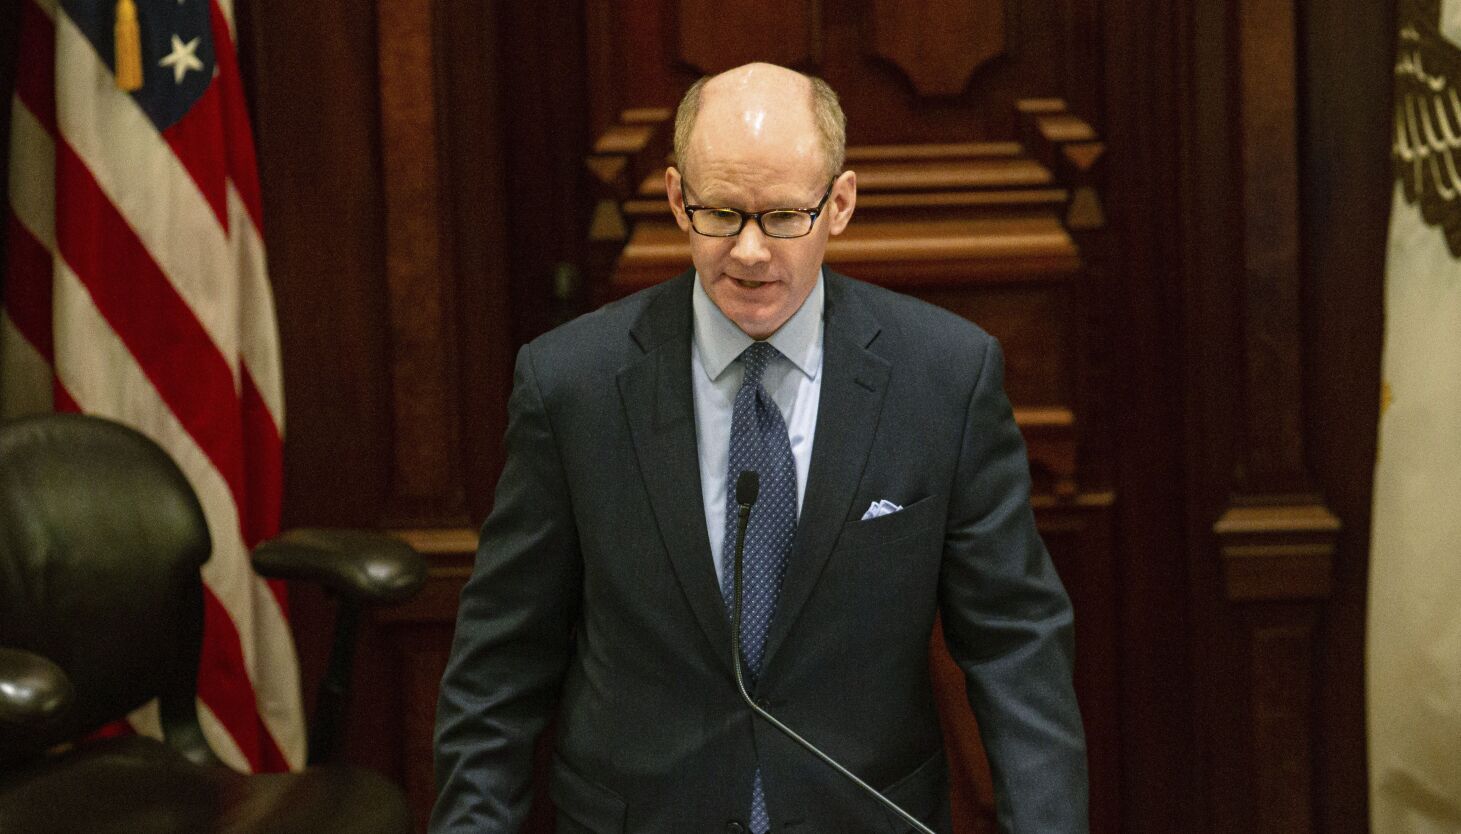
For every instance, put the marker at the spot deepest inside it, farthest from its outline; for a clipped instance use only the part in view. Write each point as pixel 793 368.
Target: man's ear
pixel 676 197
pixel 842 202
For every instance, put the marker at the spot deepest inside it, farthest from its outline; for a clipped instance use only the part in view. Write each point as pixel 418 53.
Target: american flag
pixel 135 289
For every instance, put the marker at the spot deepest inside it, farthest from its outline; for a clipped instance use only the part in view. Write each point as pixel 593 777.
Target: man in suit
pixel 894 484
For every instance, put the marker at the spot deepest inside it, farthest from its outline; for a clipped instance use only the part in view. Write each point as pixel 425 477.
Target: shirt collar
pixel 720 341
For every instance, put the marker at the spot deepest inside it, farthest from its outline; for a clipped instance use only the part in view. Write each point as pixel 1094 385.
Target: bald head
pixel 767 105
pixel 759 140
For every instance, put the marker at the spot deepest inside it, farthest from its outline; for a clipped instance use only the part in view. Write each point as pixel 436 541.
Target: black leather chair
pixel 101 610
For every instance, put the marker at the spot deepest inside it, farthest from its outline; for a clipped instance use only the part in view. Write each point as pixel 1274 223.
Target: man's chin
pixel 757 320
pixel 757 326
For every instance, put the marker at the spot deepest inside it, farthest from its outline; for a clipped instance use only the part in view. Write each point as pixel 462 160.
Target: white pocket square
pixel 879 508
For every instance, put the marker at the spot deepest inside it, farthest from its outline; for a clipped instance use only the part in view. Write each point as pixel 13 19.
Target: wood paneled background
pixel 1172 213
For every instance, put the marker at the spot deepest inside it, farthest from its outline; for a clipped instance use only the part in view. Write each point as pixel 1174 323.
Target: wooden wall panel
pixel 474 147
pixel 1032 323
pixel 384 143
pixel 1180 399
pixel 715 36
pixel 540 66
pixel 426 483
pixel 1266 70
pixel 1345 177
pixel 319 165
pixel 1282 705
pixel 1286 229
pixel 1054 41
pixel 938 45
pixel 387 232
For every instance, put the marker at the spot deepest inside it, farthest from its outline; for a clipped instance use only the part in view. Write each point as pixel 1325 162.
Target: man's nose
pixel 750 248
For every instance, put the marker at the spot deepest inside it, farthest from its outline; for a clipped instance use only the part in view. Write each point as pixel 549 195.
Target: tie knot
pixel 755 359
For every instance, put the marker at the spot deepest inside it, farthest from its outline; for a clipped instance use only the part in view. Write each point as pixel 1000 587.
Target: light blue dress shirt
pixel 794 381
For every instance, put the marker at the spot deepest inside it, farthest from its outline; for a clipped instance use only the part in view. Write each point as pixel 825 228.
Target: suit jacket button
pixel 734 827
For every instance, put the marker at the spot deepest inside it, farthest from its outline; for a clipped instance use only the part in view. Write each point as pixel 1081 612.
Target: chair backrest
pixel 101 541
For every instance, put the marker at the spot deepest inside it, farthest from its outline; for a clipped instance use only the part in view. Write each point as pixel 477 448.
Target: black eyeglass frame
pixel 814 213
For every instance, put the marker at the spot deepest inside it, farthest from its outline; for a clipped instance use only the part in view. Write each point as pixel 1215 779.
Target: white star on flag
pixel 182 59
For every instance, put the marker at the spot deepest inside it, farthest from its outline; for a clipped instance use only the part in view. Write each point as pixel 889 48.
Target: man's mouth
pixel 748 284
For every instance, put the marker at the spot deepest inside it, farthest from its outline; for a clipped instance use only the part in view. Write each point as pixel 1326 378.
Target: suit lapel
pixel 660 406
pixel 853 383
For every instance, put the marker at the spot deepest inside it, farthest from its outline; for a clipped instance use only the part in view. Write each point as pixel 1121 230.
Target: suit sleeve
pixel 514 631
pixel 1007 622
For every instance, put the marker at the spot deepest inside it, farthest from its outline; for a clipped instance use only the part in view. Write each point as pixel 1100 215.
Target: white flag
pixel 1413 652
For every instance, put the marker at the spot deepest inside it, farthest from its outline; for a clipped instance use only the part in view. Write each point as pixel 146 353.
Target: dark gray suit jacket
pixel 595 598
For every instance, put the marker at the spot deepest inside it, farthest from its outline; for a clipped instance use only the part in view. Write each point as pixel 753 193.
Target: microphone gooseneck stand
pixel 748 486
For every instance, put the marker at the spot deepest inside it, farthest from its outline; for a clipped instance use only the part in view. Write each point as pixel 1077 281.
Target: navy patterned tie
pixel 759 443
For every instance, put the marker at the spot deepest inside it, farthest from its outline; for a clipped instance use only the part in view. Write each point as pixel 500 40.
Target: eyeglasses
pixel 713 221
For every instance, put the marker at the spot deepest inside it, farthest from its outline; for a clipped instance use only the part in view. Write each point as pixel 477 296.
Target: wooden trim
pixel 1269 557
pixel 938 46
pixel 426 481
pixel 932 150
pixel 1268 118
pixel 447 540
pixel 1282 658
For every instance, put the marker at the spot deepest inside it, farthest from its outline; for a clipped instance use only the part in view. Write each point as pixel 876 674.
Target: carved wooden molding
pixel 1051 441
pixel 1278 552
pixel 938 44
pixel 716 36
pixel 1065 144
pixel 1274 545
pixel 931 218
pixel 425 470
pixel 927 214
pixel 1276 539
pixel 439 540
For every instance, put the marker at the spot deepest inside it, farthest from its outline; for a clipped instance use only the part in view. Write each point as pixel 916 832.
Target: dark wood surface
pixel 1346 187
pixel 320 159
pixel 714 36
pixel 1213 675
pixel 1147 97
pixel 1057 43
pixel 938 45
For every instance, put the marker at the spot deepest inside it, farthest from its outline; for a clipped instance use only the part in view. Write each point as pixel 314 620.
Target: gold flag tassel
pixel 129 47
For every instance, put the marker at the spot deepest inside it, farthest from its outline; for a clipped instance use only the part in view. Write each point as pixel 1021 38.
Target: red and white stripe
pixel 136 289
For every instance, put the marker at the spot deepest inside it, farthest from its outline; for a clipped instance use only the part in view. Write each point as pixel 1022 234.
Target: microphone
pixel 748 487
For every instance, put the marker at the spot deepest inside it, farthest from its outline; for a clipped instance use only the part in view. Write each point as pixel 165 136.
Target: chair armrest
pixel 361 567
pixel 33 691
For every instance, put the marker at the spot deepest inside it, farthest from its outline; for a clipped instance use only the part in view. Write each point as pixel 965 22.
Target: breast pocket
pixel 884 530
